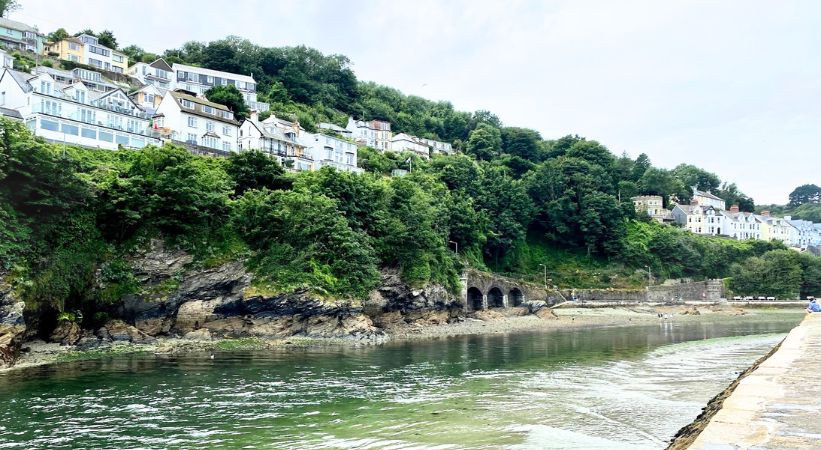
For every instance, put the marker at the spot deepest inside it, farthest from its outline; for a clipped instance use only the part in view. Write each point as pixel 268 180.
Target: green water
pixel 587 389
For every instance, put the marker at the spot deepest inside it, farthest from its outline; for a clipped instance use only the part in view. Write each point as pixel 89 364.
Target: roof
pixel 214 73
pixel 12 113
pixel 198 104
pixel 15 25
pixel 333 127
pixel 707 194
pixel 160 63
pixel 21 78
pixel 274 133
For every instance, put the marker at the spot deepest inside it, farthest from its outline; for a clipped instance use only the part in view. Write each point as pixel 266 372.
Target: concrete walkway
pixel 777 406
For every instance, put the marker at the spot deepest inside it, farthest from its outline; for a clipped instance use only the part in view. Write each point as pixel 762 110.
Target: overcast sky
pixel 731 86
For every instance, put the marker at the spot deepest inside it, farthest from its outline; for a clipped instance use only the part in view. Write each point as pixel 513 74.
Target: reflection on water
pixel 607 388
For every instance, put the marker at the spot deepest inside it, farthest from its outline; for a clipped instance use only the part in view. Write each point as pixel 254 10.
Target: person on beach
pixel 813 307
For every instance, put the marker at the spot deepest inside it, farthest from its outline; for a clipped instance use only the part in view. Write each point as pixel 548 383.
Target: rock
pixel 12 325
pixel 123 332
pixel 192 314
pixel 394 295
pixel 66 333
pixel 488 315
pixel 198 335
pixel 693 311
pixel 546 314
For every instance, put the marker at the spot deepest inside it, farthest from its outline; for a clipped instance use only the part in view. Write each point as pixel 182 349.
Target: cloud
pixel 730 86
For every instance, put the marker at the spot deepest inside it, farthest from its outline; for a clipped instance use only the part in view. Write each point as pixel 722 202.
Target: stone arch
pixel 475 299
pixel 516 297
pixel 495 298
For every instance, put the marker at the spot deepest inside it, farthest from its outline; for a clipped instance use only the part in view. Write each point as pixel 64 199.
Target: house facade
pixel 148 98
pixel 69 49
pixel 652 205
pixel 198 80
pixel 158 74
pixel 705 198
pixel 740 225
pixel 406 143
pixel 205 127
pixel 100 56
pixel 19 36
pixel 73 113
pixel 805 231
pixel 330 151
pixel 374 133
pixel 280 143
pixel 6 60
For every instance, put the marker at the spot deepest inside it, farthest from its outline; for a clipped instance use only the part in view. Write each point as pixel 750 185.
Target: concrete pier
pixel 778 405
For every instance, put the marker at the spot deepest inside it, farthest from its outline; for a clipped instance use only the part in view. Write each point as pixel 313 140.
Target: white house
pixel 330 151
pixel 406 143
pixel 205 126
pixel 438 147
pixel 281 143
pixel 740 225
pixel 705 220
pixel 158 73
pixel 705 198
pixel 374 133
pixel 198 80
pixel 805 231
pixel 73 113
pixel 101 56
pixel 92 79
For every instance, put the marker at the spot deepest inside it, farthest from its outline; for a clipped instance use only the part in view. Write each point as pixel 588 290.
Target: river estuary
pixel 616 388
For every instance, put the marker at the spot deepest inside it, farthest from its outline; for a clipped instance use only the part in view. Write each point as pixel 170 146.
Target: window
pixel 106 136
pixel 349 159
pixel 73 46
pixel 80 96
pixel 74 58
pixel 95 62
pixel 122 140
pixel 88 116
pixel 117 58
pixel 227 115
pixel 88 133
pixel 70 129
pixel 226 131
pixel 192 122
pixel 192 138
pixel 207 109
pixel 226 146
pixel 49 125
pixel 209 126
pixel 187 104
pixel 149 98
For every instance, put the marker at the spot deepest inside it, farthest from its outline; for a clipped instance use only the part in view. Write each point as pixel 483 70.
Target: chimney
pixel 254 116
pixel 734 209
pixel 765 213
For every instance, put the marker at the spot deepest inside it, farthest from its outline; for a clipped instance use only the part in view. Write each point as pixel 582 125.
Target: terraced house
pixel 203 127
pixel 73 111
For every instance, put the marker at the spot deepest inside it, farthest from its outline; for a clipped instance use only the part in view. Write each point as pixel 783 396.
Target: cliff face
pixel 12 325
pixel 175 300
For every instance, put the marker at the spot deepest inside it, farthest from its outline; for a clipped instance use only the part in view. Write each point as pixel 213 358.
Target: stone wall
pixel 710 291
pixel 608 295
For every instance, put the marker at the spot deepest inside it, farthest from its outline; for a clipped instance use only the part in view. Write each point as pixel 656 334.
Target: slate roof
pixel 198 104
pixel 15 25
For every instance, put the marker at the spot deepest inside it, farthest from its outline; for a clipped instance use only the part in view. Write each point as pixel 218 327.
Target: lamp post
pixel 545 274
pixel 456 244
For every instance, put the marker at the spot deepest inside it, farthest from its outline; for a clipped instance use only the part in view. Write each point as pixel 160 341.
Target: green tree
pixel 522 142
pixel 58 35
pixel 231 97
pixel 8 6
pixel 484 142
pixel 106 38
pixel 691 175
pixel 255 170
pixel 806 193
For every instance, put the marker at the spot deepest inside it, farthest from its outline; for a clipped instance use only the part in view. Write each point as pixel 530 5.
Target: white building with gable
pixel 205 127
pixel 75 113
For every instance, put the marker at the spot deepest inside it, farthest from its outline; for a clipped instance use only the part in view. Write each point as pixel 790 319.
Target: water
pixel 620 388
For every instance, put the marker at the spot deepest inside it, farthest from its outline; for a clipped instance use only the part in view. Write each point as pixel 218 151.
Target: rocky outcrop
pixel 12 325
pixel 66 333
pixel 395 295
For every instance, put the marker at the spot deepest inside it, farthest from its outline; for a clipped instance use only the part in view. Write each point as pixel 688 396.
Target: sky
pixel 733 87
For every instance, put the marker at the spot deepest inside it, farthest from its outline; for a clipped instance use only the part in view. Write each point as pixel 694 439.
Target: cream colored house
pixel 652 205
